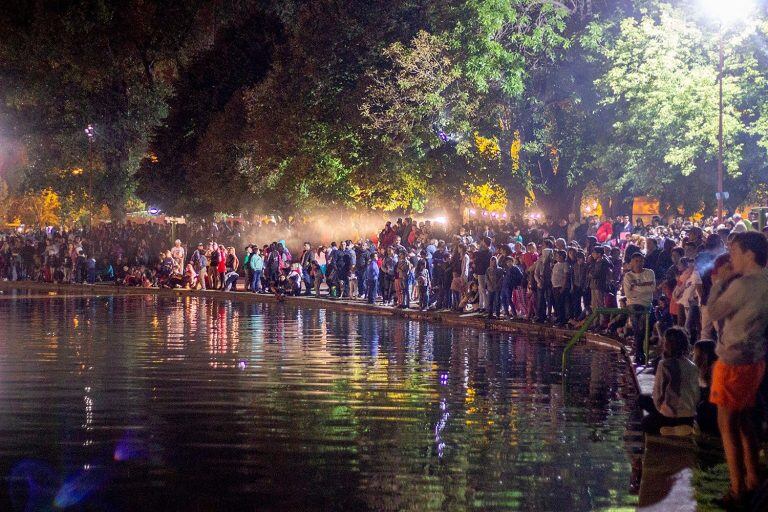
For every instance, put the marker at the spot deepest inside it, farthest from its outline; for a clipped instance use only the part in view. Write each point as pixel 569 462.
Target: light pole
pixel 725 13
pixel 90 132
pixel 721 63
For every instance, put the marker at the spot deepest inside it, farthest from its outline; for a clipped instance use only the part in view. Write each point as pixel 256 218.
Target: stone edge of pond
pixel 442 317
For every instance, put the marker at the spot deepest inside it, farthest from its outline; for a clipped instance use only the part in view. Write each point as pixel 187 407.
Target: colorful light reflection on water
pixel 164 403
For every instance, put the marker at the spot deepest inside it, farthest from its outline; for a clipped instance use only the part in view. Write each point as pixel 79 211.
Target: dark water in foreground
pixel 190 404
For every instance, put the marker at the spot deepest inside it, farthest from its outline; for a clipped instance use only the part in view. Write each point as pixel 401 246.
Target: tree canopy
pixel 404 105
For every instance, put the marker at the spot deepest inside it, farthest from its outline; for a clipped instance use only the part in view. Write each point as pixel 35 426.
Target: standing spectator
pixel 256 264
pixel 482 261
pixel 639 285
pixel 493 275
pixel 599 278
pixel 739 299
pixel 307 257
pixel 371 278
pixel 559 282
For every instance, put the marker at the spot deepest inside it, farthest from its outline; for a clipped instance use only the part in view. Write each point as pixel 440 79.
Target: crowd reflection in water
pixel 219 402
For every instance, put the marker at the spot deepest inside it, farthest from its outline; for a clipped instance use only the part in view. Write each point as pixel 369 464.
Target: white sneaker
pixel 677 431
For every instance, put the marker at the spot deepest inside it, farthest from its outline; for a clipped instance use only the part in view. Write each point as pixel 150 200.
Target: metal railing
pixel 596 314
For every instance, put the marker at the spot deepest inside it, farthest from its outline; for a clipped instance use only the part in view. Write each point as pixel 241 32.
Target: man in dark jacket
pixel 482 261
pixel 343 263
pixel 600 277
pixel 306 266
pixel 653 256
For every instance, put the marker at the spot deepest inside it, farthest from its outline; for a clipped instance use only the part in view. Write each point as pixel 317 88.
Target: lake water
pixel 193 404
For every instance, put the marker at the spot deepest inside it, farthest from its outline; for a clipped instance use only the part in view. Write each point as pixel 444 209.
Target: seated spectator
pixel 706 412
pixel 672 408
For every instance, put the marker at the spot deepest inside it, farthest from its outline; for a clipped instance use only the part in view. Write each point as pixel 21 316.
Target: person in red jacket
pixel 604 232
pixel 221 266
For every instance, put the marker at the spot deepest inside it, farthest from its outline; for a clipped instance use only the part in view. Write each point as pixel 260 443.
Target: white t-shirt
pixel 639 287
pixel 177 253
pixel 690 295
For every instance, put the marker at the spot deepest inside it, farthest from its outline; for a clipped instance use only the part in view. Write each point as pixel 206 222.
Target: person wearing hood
pixel 371 276
pixel 493 278
pixel 543 277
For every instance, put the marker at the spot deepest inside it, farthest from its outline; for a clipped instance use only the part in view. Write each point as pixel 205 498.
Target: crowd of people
pixel 696 289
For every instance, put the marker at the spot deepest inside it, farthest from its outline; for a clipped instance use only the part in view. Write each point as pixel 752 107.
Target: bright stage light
pixel 728 12
pixel 440 220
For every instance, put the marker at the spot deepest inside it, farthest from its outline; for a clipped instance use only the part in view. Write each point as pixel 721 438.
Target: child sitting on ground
pixel 470 298
pixel 672 408
pixel 706 413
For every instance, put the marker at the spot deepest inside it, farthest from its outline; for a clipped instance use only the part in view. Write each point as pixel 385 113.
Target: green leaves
pixel 661 86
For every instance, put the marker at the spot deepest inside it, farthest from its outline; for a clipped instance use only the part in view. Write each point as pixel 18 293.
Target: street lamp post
pixel 724 13
pixel 720 127
pixel 90 132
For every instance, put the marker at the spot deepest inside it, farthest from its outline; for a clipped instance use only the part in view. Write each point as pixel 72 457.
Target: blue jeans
pixel 494 304
pixel 256 280
pixel 307 279
pixel 506 301
pixel 407 284
pixel 370 290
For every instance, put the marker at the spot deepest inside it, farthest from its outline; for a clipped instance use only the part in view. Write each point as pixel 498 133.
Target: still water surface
pixel 163 403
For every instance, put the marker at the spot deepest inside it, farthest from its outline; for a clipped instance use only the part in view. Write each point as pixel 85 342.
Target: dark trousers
pixel 362 285
pixel 559 298
pixel 248 278
pixel 256 280
pixel 574 304
pixel 370 290
pixel 652 423
pixel 406 285
pixel 385 281
pixel 423 296
pixel 637 314
pixel 494 303
pixel 543 303
pixel 307 280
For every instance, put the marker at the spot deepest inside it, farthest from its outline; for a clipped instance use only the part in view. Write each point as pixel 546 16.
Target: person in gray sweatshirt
pixel 738 303
pixel 672 407
pixel 493 278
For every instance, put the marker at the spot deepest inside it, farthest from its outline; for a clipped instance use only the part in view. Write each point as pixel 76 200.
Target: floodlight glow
pixel 440 220
pixel 728 12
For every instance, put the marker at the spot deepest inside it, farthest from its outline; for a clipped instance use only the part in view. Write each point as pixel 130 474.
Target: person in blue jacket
pixel 371 278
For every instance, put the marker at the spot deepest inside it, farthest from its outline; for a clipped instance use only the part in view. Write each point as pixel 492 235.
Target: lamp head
pixel 728 12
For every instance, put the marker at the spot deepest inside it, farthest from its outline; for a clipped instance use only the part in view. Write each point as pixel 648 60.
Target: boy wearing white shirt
pixel 638 286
